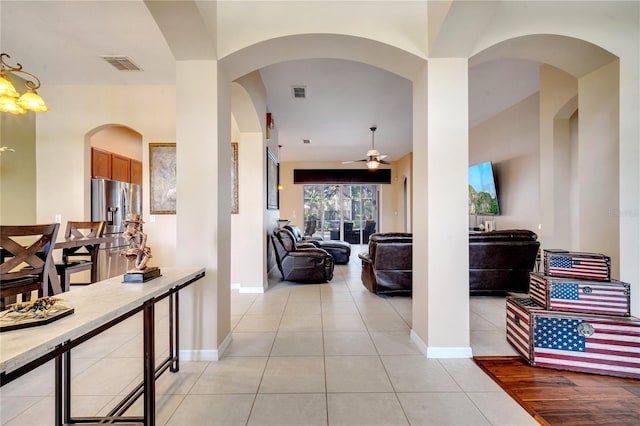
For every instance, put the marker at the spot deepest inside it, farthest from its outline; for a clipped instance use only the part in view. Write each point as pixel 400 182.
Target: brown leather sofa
pixel 340 250
pixel 500 261
pixel 301 264
pixel 387 266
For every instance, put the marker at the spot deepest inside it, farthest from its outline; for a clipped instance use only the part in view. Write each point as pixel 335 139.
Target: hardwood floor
pixel 557 397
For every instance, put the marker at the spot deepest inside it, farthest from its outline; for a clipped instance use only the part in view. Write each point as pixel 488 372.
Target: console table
pixel 97 308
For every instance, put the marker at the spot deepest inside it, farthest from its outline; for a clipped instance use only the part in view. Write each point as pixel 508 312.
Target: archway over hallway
pixel 445 76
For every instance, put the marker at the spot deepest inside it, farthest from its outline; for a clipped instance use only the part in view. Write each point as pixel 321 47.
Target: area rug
pixel 555 397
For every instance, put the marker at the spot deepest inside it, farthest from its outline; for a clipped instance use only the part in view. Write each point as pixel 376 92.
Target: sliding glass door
pixel 341 212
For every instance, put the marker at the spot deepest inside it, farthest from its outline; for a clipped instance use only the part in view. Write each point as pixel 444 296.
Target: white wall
pixel 63 152
pixel 510 141
pixel 558 101
pixel 18 169
pixel 251 228
pixel 118 139
pixel 248 254
pixel 598 163
pixel 395 213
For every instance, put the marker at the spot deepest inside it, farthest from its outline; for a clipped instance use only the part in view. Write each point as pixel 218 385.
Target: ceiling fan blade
pixel 381 156
pixel 383 162
pixel 354 161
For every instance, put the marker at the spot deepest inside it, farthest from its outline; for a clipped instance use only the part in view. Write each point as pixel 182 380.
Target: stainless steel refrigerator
pixel 112 201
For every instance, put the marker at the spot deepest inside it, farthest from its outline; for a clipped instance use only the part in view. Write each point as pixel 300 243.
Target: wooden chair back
pixel 26 258
pixel 79 230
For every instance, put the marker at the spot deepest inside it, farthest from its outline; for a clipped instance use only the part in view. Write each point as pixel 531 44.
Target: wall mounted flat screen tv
pixel 483 197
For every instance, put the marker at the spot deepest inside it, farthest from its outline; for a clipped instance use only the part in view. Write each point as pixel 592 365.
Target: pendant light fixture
pixel 10 99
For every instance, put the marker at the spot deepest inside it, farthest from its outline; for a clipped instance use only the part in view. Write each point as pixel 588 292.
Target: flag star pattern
pixel 559 333
pixel 567 291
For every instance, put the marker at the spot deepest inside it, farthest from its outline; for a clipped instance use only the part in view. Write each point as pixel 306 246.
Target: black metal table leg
pixel 176 364
pixel 149 363
pixel 66 384
pixel 58 390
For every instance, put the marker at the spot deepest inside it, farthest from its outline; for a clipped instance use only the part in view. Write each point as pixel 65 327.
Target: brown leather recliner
pixel 500 261
pixel 310 265
pixel 387 268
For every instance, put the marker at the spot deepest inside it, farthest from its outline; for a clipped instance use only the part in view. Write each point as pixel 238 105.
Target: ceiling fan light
pixel 8 104
pixel 6 87
pixel 372 164
pixel 33 102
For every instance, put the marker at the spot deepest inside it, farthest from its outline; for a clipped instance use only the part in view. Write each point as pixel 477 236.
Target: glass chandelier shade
pixel 6 87
pixel 32 102
pixel 10 99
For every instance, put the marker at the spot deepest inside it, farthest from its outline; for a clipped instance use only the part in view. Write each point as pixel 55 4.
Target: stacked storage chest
pixel 576 317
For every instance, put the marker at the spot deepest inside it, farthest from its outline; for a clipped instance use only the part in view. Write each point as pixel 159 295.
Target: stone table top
pixel 94 305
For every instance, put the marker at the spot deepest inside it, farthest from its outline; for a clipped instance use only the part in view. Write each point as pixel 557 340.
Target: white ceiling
pixel 344 98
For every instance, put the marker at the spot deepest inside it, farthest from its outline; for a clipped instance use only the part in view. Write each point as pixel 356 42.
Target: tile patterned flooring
pixel 302 354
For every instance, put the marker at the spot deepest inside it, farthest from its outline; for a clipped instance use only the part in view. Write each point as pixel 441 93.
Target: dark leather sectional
pixel 500 261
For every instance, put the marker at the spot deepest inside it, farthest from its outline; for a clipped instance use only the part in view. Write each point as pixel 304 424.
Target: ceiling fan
pixel 374 158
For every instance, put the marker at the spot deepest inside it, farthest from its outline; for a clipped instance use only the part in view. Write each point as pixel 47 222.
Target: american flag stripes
pixel 518 325
pixel 587 344
pixel 598 297
pixel 589 266
pixel 569 341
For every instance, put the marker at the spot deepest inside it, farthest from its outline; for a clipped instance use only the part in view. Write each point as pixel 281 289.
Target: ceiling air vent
pixel 122 63
pixel 307 141
pixel 299 92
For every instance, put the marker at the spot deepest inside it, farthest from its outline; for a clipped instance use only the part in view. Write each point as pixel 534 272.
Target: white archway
pixel 221 72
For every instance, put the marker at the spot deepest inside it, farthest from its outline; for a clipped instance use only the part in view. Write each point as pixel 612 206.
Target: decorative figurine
pixel 138 252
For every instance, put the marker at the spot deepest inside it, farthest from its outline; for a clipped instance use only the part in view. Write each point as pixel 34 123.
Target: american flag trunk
pixel 575 342
pixel 588 266
pixel 573 295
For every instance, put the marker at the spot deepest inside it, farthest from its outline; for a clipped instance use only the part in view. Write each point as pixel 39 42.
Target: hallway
pixel 320 354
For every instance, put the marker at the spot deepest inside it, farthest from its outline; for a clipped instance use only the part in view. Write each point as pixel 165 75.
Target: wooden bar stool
pixel 26 259
pixel 83 258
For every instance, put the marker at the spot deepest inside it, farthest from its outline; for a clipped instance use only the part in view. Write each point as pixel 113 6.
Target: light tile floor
pixel 302 354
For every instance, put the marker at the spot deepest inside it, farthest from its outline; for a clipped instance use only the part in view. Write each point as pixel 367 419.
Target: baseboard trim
pixel 205 354
pixel 440 352
pixel 256 289
pixel 419 343
pixel 454 352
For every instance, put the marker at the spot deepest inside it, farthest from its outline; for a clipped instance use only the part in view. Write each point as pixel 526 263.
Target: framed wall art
pixel 162 178
pixel 273 171
pixel 234 178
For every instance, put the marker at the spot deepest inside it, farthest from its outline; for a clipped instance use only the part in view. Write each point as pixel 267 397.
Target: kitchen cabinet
pixel 109 165
pixel 136 171
pixel 100 163
pixel 120 168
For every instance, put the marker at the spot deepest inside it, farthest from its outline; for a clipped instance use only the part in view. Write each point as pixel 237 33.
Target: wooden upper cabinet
pixel 100 163
pixel 107 165
pixel 136 171
pixel 120 168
